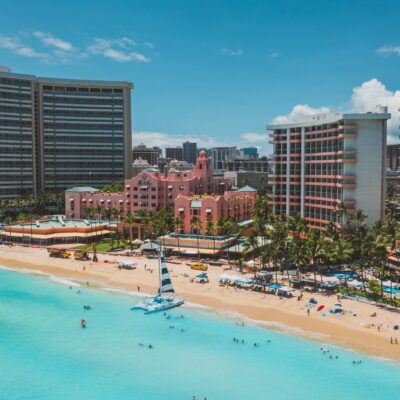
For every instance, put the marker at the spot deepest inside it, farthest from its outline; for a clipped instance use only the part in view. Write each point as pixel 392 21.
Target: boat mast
pixel 159 268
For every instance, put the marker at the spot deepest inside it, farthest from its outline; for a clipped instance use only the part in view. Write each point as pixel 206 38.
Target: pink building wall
pixel 208 208
pixel 149 190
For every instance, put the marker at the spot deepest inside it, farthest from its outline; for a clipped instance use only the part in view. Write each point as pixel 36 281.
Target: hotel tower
pixel 58 133
pixel 328 159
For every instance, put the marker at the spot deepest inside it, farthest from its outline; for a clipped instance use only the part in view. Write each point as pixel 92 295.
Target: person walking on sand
pixel 138 288
pixel 308 311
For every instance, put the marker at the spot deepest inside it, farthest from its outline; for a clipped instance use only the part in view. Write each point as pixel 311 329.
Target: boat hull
pixel 158 303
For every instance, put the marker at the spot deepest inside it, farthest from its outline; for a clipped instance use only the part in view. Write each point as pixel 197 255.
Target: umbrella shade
pixel 202 276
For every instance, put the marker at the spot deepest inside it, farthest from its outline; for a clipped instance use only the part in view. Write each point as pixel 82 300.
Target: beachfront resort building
pixel 198 217
pixel 56 133
pixel 199 213
pixel 149 190
pixel 326 160
pixel 56 230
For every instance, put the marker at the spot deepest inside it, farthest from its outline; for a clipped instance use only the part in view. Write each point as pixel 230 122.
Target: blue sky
pixel 214 71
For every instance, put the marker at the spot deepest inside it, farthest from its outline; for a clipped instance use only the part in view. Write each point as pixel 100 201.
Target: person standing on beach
pixel 308 311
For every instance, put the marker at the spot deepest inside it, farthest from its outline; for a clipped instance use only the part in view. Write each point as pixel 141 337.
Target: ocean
pixel 45 354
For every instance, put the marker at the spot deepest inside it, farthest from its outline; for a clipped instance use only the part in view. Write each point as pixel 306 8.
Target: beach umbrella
pixel 202 276
pixel 396 327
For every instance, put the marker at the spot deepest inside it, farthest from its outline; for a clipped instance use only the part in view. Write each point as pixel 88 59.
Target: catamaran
pixel 165 298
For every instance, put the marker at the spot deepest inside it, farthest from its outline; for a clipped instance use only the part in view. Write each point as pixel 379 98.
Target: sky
pixel 215 71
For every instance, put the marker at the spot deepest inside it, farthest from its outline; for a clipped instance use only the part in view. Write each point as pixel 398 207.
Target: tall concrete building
pixel 18 155
pixel 328 159
pixel 174 153
pixel 189 152
pixel 246 164
pixel 150 154
pixel 219 155
pixel 58 133
pixel 393 157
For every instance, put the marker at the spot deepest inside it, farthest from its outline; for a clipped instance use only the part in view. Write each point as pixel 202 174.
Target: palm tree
pixel 195 225
pixel 250 246
pixel 340 252
pixel 129 220
pixel 316 250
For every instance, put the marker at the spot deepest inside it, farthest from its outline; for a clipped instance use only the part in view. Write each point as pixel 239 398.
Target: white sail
pixel 165 280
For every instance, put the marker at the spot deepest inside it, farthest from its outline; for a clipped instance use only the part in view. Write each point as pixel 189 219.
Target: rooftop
pixel 58 221
pixel 247 188
pixel 62 81
pixel 332 117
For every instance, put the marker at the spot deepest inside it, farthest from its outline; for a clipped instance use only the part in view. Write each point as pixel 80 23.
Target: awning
pixel 121 201
pixel 143 187
pixel 108 201
pixel 169 187
pixel 84 200
pixel 128 186
pixel 102 200
pixel 208 210
pixel 91 200
pixel 71 199
pixel 181 209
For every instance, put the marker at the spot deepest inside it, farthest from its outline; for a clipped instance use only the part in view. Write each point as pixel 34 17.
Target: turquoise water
pixel 44 354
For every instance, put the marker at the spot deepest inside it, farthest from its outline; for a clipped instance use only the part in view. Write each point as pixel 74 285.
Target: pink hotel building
pixel 149 190
pixel 328 159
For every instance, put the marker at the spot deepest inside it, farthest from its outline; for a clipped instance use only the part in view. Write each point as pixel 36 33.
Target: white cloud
pixel 163 140
pixel 254 137
pixel 117 49
pixel 365 98
pixel 275 54
pixel 231 53
pixel 50 49
pixel 372 93
pixel 388 50
pixel 29 52
pixel 299 113
pixel 8 42
pixel 15 45
pixel 49 40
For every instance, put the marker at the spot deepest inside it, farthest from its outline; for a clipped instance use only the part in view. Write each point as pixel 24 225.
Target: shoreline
pixel 283 315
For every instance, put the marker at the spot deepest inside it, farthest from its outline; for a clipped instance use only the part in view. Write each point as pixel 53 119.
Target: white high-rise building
pixel 328 159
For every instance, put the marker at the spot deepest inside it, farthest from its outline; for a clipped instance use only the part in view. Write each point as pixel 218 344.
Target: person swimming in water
pixel 83 323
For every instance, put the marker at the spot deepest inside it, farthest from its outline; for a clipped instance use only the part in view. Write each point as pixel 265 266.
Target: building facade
pixel 393 157
pixel 257 180
pixel 189 152
pixel 198 214
pixel 18 135
pixel 219 155
pixel 150 190
pixel 55 133
pixel 85 132
pixel 174 153
pixel 150 154
pixel 326 160
pixel 246 164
